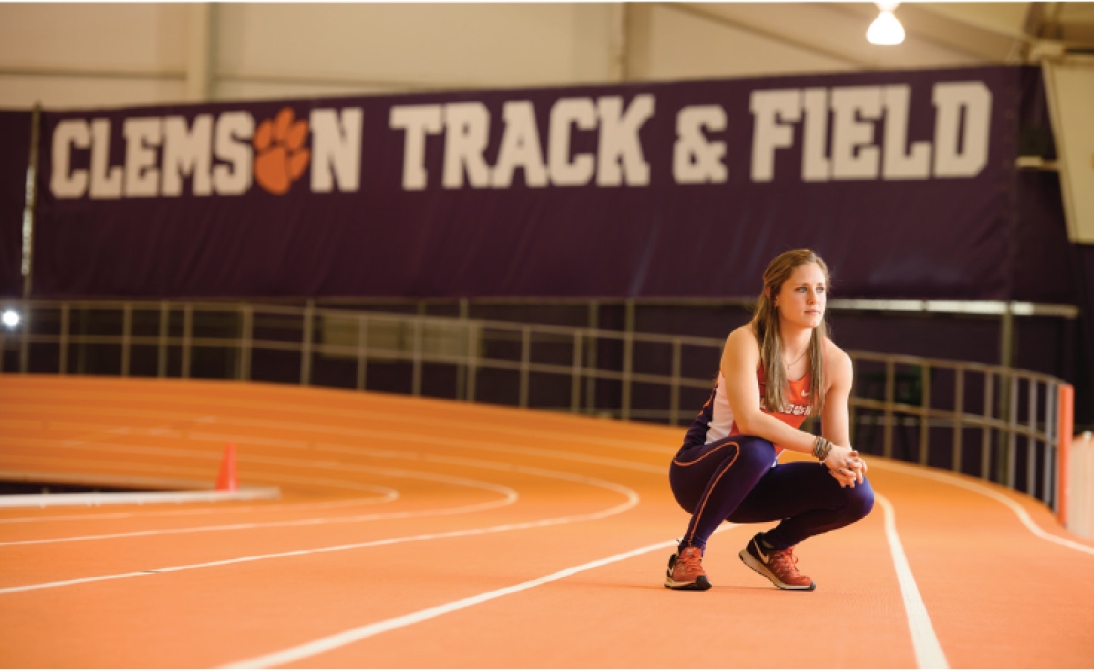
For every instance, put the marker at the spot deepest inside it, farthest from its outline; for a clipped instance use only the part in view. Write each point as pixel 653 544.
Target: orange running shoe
pixel 685 571
pixel 780 567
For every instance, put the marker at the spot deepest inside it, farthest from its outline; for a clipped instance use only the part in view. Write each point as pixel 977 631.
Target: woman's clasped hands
pixel 846 466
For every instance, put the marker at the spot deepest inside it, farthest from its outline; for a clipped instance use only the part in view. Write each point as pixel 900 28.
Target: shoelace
pixel 691 563
pixel 786 561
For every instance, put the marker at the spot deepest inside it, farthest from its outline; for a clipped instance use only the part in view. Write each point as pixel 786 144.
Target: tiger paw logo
pixel 280 154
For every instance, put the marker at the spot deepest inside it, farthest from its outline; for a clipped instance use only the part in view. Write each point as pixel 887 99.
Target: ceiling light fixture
pixel 886 29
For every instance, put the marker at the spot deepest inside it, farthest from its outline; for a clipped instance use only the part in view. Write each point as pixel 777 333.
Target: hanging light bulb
pixel 886 29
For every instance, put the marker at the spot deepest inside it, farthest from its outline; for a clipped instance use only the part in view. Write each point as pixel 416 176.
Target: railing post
pixel 525 358
pixel 674 393
pixel 1012 433
pixel 1031 442
pixel 461 369
pixel 575 376
pixel 890 393
pixel 161 353
pixel 246 341
pixel 187 337
pixel 62 360
pixel 628 358
pixel 925 417
pixel 362 352
pixel 416 379
pixel 472 359
pixel 1052 440
pixel 127 329
pixel 24 341
pixel 1065 425
pixel 986 443
pixel 591 344
pixel 958 422
pixel 305 351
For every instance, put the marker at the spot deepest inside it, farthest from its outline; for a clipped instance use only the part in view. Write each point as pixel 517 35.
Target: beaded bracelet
pixel 821 448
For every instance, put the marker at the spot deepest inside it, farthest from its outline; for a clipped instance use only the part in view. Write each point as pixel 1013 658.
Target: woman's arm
pixel 740 360
pixel 834 418
pixel 845 465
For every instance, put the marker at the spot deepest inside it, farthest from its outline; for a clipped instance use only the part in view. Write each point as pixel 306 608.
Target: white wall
pixel 91 54
pixel 80 55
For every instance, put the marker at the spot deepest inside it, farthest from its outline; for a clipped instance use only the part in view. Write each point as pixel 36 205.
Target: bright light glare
pixel 10 319
pixel 885 30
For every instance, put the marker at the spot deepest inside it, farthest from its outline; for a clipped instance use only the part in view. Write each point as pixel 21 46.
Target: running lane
pixel 425 533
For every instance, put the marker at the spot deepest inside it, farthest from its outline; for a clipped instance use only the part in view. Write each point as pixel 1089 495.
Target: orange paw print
pixel 280 155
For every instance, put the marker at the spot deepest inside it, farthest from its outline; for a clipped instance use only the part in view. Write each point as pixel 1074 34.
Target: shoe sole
pixel 758 567
pixel 698 584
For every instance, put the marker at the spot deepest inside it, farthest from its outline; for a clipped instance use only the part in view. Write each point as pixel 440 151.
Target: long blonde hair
pixel 765 326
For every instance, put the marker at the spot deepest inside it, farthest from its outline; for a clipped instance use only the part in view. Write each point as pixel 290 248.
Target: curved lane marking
pixel 510 496
pixel 326 644
pixel 928 652
pixel 395 515
pixel 183 511
pixel 355 415
pixel 632 501
pixel 1022 514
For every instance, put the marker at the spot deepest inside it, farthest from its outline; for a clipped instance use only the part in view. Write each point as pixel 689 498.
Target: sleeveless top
pixel 715 421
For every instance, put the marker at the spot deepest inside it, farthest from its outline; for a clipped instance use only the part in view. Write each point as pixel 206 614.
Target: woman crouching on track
pixel 728 466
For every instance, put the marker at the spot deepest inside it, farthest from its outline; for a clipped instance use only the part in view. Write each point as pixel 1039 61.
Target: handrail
pixel 613 365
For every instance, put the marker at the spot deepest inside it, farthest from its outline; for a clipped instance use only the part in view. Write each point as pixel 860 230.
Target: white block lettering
pixel 815 143
pixel 187 151
pixel 899 163
pixel 620 152
pixel 769 109
pixel 520 147
pixel 336 149
pixel 416 121
pixel 961 149
pixel 106 181
pixel 694 159
pixel 142 137
pixel 233 145
pixel 467 128
pixel 567 112
pixel 70 134
pixel 854 156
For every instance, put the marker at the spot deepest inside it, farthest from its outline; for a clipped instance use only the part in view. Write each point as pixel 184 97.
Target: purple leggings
pixel 735 479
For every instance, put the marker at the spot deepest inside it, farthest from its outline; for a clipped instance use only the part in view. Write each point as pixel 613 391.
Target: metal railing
pixel 989 421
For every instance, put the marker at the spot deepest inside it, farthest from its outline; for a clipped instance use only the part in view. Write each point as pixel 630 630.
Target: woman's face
pixel 802 298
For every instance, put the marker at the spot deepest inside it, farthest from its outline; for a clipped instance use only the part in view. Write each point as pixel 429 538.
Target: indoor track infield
pixel 420 533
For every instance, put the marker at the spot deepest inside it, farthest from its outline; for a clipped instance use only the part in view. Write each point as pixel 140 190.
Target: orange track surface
pixel 392 506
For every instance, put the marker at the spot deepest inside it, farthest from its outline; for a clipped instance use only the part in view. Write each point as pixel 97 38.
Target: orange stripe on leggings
pixel 703 457
pixel 699 513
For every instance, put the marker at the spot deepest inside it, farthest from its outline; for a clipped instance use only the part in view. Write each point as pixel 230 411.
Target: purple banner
pixel 903 181
pixel 15 139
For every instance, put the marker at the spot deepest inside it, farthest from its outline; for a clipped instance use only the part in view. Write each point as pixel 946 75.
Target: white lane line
pixel 185 511
pixel 55 499
pixel 509 497
pixel 327 644
pixel 471 508
pixel 400 437
pixel 928 652
pixel 1023 516
pixel 632 500
pixel 390 496
pixel 75 400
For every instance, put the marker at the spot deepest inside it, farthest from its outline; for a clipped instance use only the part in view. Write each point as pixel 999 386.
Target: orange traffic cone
pixel 227 478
